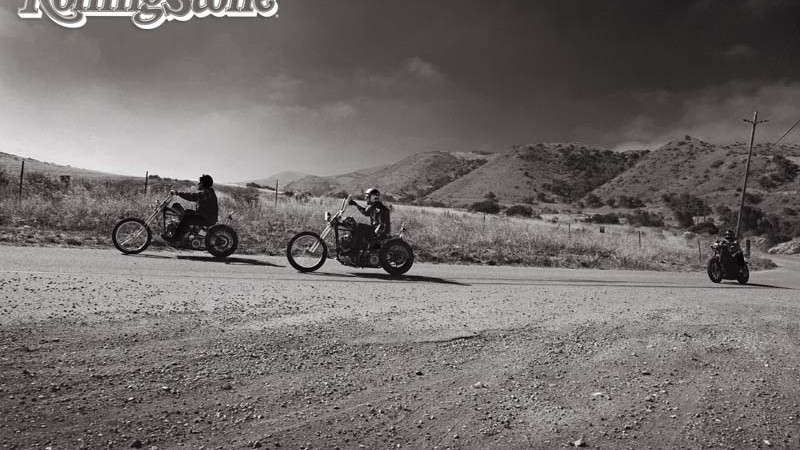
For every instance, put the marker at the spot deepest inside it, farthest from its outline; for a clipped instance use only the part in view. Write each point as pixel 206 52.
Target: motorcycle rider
pixel 729 240
pixel 207 211
pixel 378 213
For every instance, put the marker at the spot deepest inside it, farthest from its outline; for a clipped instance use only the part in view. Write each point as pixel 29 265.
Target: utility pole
pixel 754 122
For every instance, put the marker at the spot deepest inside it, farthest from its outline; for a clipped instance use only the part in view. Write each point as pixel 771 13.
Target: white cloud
pixel 739 51
pixel 423 69
pixel 715 114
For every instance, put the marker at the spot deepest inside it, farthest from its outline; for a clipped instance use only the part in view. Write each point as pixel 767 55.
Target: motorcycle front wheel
pixel 306 252
pixel 131 236
pixel 221 241
pixel 397 257
pixel 744 275
pixel 714 269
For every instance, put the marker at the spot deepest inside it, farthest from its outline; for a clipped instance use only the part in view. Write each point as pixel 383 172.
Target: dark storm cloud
pixel 329 86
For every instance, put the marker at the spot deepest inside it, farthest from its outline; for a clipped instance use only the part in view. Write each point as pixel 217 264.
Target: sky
pixel 332 86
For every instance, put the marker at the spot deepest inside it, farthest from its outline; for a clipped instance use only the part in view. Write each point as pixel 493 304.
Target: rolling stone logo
pixel 145 14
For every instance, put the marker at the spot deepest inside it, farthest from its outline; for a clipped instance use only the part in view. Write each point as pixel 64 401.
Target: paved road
pixel 99 350
pixel 91 284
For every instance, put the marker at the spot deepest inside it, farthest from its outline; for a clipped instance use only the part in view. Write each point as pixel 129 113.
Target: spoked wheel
pixel 221 241
pixel 131 236
pixel 397 257
pixel 714 269
pixel 744 274
pixel 306 251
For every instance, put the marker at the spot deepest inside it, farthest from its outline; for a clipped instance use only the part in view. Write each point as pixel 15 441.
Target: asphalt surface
pixel 178 350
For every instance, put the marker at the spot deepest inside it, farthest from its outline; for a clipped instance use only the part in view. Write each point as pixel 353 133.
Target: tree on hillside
pixel 685 207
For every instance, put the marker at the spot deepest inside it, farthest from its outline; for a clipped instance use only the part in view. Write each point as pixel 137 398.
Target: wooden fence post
pixel 146 178
pixel 276 193
pixel 699 251
pixel 640 239
pixel 21 175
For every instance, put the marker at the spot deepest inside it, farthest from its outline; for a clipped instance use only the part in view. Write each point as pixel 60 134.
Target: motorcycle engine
pixel 350 223
pixel 374 260
pixel 345 243
pixel 196 243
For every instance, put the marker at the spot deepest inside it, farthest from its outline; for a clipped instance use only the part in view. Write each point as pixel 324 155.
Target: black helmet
pixel 206 181
pixel 372 195
pixel 729 235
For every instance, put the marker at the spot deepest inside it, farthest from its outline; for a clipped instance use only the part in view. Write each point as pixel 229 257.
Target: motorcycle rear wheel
pixel 744 275
pixel 131 236
pixel 221 241
pixel 714 269
pixel 397 257
pixel 299 253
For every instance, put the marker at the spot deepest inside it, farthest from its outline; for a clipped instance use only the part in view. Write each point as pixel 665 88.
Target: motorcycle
pixel 727 264
pixel 307 251
pixel 133 235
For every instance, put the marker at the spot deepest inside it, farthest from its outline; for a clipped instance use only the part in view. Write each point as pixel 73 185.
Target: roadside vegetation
pixel 82 213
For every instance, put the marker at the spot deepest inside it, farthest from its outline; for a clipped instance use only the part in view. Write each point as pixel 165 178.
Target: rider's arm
pixel 361 209
pixel 191 196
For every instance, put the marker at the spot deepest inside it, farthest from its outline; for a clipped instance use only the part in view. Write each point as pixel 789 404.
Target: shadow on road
pixel 759 285
pixel 386 277
pixel 231 260
pixel 408 278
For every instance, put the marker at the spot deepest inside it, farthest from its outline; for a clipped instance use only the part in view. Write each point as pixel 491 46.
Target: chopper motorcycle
pixel 307 251
pixel 133 235
pixel 727 264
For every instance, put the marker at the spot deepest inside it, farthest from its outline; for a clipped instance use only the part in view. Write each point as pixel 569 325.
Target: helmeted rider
pixel 207 212
pixel 729 240
pixel 378 213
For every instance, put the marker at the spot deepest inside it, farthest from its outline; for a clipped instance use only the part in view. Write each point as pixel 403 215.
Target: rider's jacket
pixel 379 217
pixel 207 205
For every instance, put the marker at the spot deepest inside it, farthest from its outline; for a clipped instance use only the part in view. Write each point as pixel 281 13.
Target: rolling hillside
pixel 712 172
pixel 283 179
pixel 528 174
pixel 11 165
pixel 411 178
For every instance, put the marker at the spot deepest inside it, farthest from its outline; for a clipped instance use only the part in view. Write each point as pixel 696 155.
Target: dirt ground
pixel 169 351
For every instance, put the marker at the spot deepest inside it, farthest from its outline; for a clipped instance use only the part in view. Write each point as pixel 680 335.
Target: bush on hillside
pixel 593 201
pixel 685 207
pixel 641 217
pixel 630 202
pixel 520 210
pixel 605 219
pixel 706 227
pixel 485 206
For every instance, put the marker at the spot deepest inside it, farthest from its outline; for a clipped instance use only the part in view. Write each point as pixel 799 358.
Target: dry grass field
pixel 84 212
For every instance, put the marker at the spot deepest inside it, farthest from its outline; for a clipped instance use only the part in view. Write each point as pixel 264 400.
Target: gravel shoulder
pixel 169 350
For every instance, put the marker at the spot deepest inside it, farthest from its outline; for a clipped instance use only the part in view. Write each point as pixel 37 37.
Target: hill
pixel 283 179
pixel 409 179
pixel 540 172
pixel 11 164
pixel 713 173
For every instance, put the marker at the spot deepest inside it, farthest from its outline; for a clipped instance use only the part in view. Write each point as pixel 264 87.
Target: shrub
pixel 485 206
pixel 593 201
pixel 685 207
pixel 716 163
pixel 752 198
pixel 644 218
pixel 254 185
pixel 705 228
pixel 520 210
pixel 611 219
pixel 611 202
pixel 630 202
